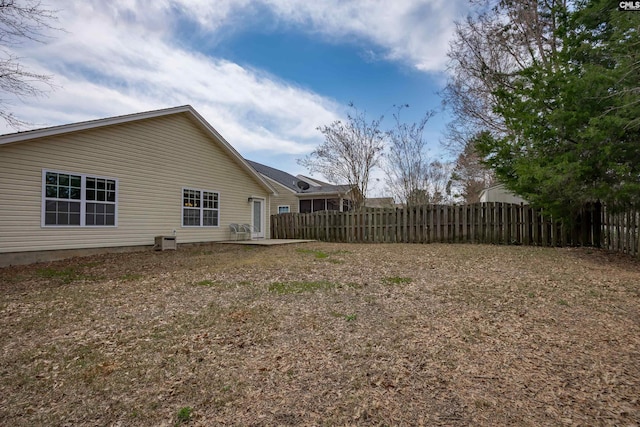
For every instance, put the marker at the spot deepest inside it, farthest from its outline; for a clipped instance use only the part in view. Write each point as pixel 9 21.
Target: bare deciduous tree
pixel 350 151
pixel 21 21
pixel 438 177
pixel 411 176
pixel 502 38
pixel 470 176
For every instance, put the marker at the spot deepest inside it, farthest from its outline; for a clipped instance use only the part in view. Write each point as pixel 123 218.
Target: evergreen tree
pixel 573 120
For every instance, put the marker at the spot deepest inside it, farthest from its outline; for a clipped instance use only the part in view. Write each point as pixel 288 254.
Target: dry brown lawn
pixel 323 334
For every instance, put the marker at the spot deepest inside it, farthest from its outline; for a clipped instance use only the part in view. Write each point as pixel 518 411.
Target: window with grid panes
pixel 71 199
pixel 200 208
pixel 284 209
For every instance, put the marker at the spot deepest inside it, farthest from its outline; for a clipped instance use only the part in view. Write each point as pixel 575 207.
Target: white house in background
pixel 122 181
pixel 499 193
pixel 303 194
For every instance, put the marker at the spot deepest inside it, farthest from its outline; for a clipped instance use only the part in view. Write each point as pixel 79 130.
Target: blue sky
pixel 264 73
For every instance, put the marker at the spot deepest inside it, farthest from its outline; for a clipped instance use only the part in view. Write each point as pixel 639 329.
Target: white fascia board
pixel 91 124
pixel 315 195
pixel 308 181
pixel 278 184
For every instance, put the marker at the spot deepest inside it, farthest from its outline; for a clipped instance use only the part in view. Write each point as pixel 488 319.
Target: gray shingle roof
pixel 291 181
pixel 277 175
pixel 326 189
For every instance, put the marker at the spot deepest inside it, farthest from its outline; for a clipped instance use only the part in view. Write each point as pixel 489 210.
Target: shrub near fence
pixel 496 223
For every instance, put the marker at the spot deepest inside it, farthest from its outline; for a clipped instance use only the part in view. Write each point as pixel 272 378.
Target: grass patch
pixel 347 317
pixel 350 317
pixel 316 253
pixel 300 287
pixel 205 283
pixel 131 277
pixel 65 275
pixel 184 415
pixel 397 280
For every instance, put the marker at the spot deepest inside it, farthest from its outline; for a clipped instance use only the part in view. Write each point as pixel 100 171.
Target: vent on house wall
pixel 166 243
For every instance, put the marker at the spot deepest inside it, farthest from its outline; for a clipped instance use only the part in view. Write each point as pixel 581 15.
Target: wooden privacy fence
pixel 497 223
pixel 621 230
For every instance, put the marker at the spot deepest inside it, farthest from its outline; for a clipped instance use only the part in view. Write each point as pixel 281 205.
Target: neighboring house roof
pixel 109 121
pixel 327 189
pixel 297 183
pixel 277 175
pixel 312 181
pixel 379 202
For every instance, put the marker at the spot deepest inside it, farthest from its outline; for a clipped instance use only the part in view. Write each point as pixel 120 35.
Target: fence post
pixel 627 232
pixel 636 234
pixel 353 222
pixel 448 215
pixel 482 216
pixel 397 219
pixel 506 226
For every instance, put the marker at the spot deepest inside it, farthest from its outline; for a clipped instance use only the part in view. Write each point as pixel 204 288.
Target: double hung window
pixel 78 200
pixel 200 208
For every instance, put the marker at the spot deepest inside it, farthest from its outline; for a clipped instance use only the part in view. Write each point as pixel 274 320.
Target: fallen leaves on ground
pixel 323 334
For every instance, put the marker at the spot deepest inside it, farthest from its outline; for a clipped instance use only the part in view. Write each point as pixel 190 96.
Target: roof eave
pixel 91 124
pixel 324 194
pixel 279 183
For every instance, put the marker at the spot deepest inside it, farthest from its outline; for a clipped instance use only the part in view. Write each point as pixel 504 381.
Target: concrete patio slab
pixel 266 242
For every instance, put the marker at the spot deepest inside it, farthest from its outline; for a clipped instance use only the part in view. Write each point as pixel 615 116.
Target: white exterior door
pixel 257 219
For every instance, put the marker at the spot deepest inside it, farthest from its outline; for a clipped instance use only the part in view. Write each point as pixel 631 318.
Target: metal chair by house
pixel 240 231
pixel 250 229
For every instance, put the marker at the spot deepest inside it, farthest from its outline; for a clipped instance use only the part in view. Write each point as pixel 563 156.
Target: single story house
pixel 303 194
pixel 499 193
pixel 122 181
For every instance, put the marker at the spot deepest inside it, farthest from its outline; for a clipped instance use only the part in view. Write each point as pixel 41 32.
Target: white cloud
pixel 416 32
pixel 413 31
pixel 125 56
pixel 109 61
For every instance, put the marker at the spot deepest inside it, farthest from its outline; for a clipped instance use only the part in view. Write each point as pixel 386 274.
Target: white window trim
pixel 202 209
pixel 284 206
pixel 82 200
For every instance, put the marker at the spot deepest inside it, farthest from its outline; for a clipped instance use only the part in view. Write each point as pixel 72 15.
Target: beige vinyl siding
pixel 499 193
pixel 285 197
pixel 152 159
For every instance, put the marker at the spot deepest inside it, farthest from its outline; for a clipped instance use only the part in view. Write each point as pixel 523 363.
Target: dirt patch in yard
pixel 323 334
